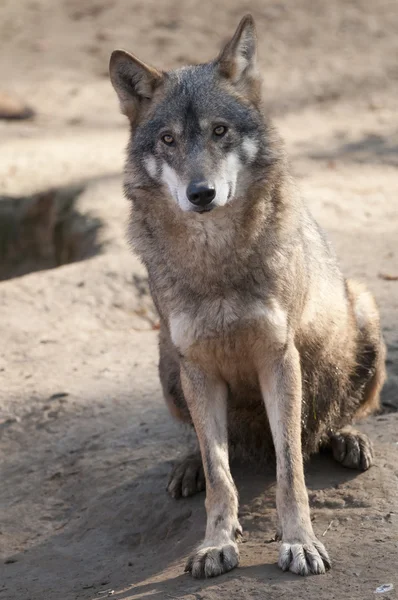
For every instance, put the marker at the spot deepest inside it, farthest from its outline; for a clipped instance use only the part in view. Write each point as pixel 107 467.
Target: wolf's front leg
pixel 207 400
pixel 280 379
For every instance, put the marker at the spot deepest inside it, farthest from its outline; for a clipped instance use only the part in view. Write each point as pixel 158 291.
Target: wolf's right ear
pixel 237 60
pixel 133 80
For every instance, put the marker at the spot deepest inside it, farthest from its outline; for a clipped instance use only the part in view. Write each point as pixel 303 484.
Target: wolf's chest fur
pixel 228 326
pixel 214 286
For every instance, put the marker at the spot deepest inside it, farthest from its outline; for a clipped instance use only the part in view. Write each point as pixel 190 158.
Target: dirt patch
pixel 44 231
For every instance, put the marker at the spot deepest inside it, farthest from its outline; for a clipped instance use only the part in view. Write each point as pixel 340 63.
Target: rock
pixel 12 107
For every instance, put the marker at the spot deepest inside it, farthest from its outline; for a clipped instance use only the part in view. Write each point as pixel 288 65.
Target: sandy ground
pixel 85 439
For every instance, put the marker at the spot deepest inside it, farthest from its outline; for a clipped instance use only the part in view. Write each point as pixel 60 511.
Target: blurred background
pixel 85 439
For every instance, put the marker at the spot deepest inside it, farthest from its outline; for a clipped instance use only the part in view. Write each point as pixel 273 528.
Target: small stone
pixel 59 395
pixel 12 107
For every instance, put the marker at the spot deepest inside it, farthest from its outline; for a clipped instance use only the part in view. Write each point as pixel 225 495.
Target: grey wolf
pixel 264 346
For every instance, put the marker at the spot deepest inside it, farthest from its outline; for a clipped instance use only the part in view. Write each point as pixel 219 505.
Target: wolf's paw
pixel 304 559
pixel 352 449
pixel 187 477
pixel 211 561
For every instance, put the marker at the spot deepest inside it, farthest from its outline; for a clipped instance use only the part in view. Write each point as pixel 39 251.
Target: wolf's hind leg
pixel 371 351
pixel 352 448
pixel 187 477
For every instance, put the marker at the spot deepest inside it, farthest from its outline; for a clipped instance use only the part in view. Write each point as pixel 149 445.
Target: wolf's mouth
pixel 203 209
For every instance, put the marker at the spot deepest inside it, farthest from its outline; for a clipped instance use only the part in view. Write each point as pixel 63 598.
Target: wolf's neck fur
pixel 213 250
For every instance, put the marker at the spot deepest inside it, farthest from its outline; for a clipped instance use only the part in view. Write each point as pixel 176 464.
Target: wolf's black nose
pixel 200 193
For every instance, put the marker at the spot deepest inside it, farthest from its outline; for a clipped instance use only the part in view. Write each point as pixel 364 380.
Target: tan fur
pixel 367 316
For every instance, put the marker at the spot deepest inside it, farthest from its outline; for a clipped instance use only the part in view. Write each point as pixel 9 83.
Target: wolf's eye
pixel 168 139
pixel 220 130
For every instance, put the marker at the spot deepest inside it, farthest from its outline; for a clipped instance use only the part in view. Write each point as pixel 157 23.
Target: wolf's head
pixel 198 131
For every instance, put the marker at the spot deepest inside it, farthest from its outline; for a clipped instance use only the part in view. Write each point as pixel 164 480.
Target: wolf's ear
pixel 237 60
pixel 133 80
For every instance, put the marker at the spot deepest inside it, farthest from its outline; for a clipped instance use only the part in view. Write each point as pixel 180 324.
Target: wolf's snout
pixel 200 193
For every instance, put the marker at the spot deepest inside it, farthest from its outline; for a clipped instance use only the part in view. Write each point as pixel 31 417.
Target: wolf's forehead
pixel 192 78
pixel 194 96
pixel 191 93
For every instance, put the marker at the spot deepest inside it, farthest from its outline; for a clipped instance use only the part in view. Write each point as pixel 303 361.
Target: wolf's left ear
pixel 133 80
pixel 237 60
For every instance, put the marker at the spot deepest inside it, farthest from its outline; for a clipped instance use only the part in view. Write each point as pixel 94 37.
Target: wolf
pixel 265 348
